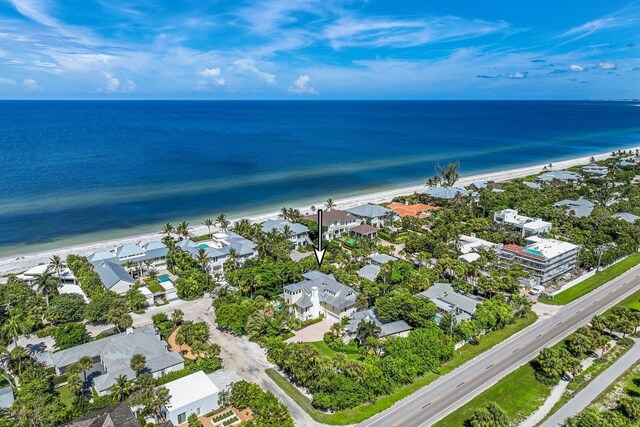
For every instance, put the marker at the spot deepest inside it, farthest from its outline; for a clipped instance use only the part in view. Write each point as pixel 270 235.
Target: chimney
pixel 315 303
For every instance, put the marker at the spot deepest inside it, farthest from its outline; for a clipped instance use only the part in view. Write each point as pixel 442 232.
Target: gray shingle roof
pixel 369 211
pixel 112 416
pixel 279 224
pixel 564 176
pixel 625 216
pixel 369 272
pixel 111 273
pixel 330 291
pixel 129 250
pixel 370 315
pixel 532 185
pixel 382 258
pixel 581 207
pixel 447 192
pixel 116 351
pixel 444 293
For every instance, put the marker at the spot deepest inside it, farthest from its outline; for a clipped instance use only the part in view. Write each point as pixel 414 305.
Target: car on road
pixel 536 290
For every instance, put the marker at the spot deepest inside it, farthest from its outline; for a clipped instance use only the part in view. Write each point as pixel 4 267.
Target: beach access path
pixel 17 264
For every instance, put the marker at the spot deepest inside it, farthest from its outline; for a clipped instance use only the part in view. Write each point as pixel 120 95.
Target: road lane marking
pixel 489 366
pixel 559 323
pixel 515 350
pixel 427 405
pixel 462 383
pixel 538 336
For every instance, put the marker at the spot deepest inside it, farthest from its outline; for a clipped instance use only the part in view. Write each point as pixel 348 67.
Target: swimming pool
pixel 164 278
pixel 203 246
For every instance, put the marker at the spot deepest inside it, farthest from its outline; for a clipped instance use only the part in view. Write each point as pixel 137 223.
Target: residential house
pixel 373 214
pixel 299 232
pixel 114 277
pixel 319 294
pixel 448 193
pixel 364 230
pixel 418 210
pixel 447 300
pixel 218 247
pixel 625 216
pixel 581 207
pixel 31 275
pixel 481 185
pixel 523 224
pixel 546 258
pixel 371 270
pixel 627 163
pixel 112 357
pixel 398 328
pixel 595 170
pixel 136 253
pixel 193 394
pixel 119 415
pixel 565 177
pixel 336 221
pixel 468 244
pixel 531 185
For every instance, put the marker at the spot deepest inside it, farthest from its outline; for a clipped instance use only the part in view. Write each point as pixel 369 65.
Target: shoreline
pixel 20 262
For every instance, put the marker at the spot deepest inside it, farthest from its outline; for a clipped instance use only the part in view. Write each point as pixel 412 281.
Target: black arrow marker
pixel 319 251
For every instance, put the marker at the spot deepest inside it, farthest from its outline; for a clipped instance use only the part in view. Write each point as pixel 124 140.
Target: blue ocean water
pixel 75 170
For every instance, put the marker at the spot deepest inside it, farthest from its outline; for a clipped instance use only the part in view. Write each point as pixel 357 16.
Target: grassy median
pixel 593 282
pixel 361 413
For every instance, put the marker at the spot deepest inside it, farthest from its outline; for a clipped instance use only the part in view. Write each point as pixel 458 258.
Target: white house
pixel 336 221
pixel 155 252
pixel 218 247
pixel 193 394
pixel 373 214
pixel 524 224
pixel 319 294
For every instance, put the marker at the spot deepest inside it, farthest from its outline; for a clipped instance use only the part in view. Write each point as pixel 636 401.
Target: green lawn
pixel 325 350
pixel 632 302
pixel 66 396
pixel 361 413
pixel 593 282
pixel 519 394
pixel 155 287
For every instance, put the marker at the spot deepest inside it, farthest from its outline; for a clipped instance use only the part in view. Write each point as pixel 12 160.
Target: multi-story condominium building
pixel 546 258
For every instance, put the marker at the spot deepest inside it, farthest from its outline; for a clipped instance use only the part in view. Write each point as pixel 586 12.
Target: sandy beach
pixel 16 264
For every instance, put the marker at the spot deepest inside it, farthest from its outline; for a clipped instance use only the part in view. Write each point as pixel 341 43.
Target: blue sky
pixel 319 49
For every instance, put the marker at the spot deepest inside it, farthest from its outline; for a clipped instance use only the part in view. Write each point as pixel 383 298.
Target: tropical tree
pixel 234 258
pixel 158 399
pixel 222 222
pixel 121 389
pixel 85 364
pixel 55 262
pixel 183 230
pixel 208 222
pixel 75 384
pixel 13 327
pixel 168 230
pixel 177 316
pixel 330 204
pixel 367 330
pixel 47 283
pixel 138 363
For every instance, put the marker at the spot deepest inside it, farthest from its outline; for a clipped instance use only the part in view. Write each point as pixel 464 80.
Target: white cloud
pixel 518 75
pixel 113 84
pixel 30 84
pixel 301 85
pixel 576 68
pixel 6 81
pixel 211 75
pixel 396 32
pixel 248 65
pixel 607 66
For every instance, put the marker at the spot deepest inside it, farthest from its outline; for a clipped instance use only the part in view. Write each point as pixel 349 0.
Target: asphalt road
pixel 433 402
pixel 581 400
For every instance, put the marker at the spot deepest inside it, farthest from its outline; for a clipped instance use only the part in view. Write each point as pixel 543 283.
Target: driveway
pixel 313 332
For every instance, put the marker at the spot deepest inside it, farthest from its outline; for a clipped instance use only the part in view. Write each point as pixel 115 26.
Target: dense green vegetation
pixel 267 410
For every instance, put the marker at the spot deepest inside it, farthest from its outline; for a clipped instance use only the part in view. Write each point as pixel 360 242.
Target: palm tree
pixel 203 259
pixel 75 384
pixel 284 213
pixel 138 363
pixel 55 262
pixel 183 230
pixel 85 364
pixel 121 389
pixel 208 222
pixel 234 257
pixel 367 330
pixel 157 401
pixel 128 266
pixel 223 222
pixel 330 203
pixel 47 284
pixel 148 263
pixel 177 316
pixel 168 230
pixel 14 327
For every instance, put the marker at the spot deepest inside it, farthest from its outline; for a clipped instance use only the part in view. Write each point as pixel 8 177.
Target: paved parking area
pixel 313 332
